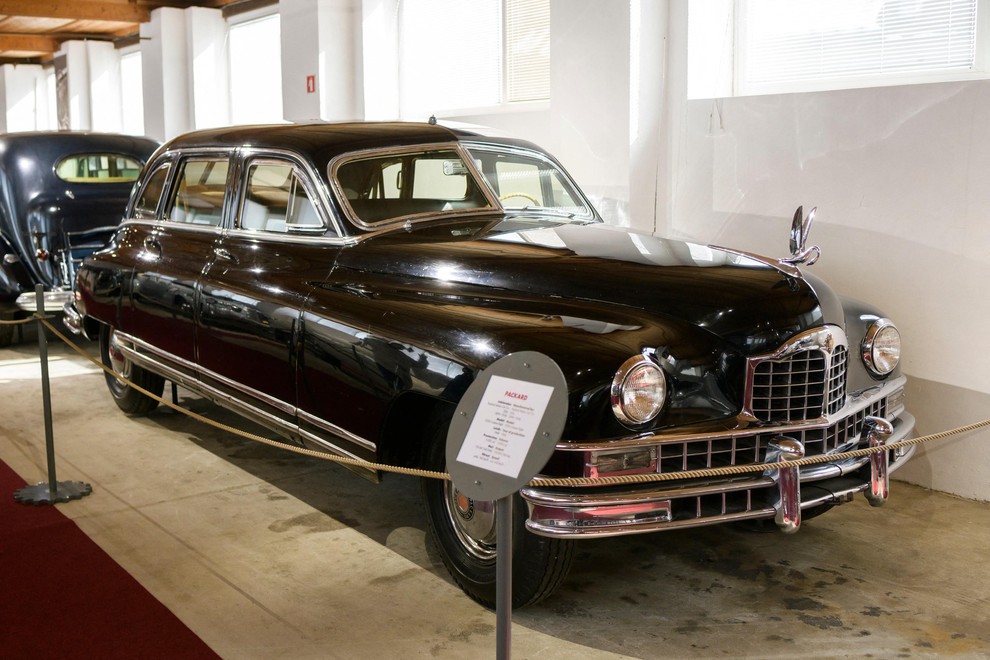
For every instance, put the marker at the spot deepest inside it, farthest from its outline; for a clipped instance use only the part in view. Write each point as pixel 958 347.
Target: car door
pixel 174 254
pixel 263 269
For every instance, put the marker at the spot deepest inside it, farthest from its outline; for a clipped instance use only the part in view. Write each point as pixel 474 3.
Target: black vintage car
pixel 62 195
pixel 344 285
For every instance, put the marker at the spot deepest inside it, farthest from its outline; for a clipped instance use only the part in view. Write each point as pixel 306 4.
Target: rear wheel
pixel 128 399
pixel 464 532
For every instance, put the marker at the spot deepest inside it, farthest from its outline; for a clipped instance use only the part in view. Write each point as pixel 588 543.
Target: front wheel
pixel 464 532
pixel 128 399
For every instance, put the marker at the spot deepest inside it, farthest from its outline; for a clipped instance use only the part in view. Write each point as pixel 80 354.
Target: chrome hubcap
pixel 473 522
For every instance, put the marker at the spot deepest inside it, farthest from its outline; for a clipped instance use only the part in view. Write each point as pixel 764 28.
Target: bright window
pixel 456 55
pixel 778 46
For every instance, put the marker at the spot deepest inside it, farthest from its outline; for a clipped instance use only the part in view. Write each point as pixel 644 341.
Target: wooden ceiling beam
pixel 28 42
pixel 91 10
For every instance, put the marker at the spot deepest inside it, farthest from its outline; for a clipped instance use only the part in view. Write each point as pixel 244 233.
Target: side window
pixel 276 200
pixel 151 193
pixel 200 190
pixel 386 187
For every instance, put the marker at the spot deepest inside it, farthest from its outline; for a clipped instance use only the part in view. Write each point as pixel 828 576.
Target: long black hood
pixel 745 302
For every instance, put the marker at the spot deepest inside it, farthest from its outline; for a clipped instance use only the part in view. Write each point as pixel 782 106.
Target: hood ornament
pixel 800 228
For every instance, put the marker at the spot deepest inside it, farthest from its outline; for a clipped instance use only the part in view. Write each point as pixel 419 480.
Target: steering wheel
pixel 506 196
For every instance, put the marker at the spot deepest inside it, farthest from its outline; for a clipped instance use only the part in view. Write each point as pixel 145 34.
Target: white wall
pixel 899 178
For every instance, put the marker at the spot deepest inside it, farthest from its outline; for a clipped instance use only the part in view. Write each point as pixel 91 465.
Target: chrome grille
pixel 836 383
pixel 719 452
pixel 804 380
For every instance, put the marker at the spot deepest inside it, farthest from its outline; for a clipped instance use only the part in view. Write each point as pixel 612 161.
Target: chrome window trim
pixel 320 197
pixel 157 164
pixel 590 214
pixel 205 153
pixel 335 163
pixel 336 241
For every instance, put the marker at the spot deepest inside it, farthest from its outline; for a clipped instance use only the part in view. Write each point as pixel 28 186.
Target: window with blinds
pixel 789 44
pixel 462 55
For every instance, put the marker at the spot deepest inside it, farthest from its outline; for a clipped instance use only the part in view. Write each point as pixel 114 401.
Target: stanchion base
pixel 42 494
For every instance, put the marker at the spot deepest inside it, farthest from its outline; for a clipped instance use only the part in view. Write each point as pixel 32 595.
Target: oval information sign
pixel 506 426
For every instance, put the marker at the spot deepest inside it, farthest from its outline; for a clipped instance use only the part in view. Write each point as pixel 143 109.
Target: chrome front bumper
pixel 778 494
pixel 53 300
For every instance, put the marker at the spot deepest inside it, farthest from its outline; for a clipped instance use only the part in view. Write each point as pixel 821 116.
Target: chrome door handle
pixel 152 244
pixel 223 253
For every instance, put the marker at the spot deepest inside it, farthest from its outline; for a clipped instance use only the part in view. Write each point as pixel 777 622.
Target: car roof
pixel 323 141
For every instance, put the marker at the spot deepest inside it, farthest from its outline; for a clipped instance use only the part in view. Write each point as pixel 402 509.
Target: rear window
pixel 98 168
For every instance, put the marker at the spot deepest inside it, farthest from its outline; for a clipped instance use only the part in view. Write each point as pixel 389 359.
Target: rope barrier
pixel 29 319
pixel 729 470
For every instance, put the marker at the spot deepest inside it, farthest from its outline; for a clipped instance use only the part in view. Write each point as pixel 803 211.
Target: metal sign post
pixel 53 491
pixel 503 432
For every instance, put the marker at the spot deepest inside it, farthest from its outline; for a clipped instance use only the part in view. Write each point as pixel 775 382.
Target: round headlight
pixel 639 390
pixel 882 347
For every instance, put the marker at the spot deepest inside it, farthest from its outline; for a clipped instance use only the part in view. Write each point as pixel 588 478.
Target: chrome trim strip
pixel 333 429
pixel 644 527
pixel 574 498
pixel 213 393
pixel 332 448
pixel 278 404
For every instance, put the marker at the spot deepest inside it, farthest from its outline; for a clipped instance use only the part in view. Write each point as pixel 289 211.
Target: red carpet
pixel 62 596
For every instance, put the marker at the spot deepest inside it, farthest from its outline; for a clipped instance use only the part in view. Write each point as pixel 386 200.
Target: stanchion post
pixel 53 491
pixel 503 578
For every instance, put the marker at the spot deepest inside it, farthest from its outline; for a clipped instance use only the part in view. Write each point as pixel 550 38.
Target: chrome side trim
pixel 333 429
pixel 224 398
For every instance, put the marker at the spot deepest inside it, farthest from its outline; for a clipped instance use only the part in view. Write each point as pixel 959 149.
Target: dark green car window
pixel 98 168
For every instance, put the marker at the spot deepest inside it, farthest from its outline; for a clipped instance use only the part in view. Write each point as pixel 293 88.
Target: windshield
pixel 527 181
pixel 387 186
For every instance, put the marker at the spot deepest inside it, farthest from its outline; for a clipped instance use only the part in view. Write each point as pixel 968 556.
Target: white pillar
pixel 380 54
pixel 105 108
pixel 22 107
pixel 322 75
pixel 77 84
pixel 165 73
pixel 209 84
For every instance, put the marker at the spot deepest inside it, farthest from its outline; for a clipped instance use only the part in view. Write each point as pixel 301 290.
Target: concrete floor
pixel 266 554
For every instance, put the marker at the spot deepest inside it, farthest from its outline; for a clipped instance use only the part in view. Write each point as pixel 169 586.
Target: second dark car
pixel 62 195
